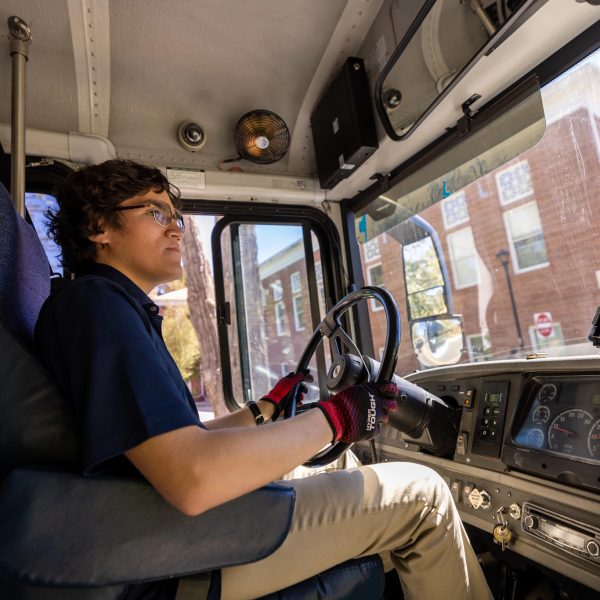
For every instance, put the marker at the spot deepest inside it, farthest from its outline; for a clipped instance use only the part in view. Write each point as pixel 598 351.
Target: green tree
pixel 181 340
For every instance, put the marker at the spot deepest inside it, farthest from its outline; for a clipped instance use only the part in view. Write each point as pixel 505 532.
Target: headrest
pixel 24 272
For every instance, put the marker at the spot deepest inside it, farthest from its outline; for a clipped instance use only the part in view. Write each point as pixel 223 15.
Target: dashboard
pixel 527 456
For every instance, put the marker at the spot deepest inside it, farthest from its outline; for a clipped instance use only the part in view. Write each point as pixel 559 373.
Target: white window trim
pixel 297 327
pixel 446 201
pixel 377 256
pixel 318 273
pixel 375 306
pixel 296 291
pixel 499 187
pixel 513 254
pixel 277 285
pixel 458 286
pixel 280 323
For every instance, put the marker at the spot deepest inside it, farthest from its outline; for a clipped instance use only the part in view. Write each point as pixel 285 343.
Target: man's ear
pixel 99 238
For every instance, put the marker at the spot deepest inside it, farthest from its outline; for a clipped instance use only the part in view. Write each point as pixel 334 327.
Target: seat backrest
pixel 36 426
pixel 24 273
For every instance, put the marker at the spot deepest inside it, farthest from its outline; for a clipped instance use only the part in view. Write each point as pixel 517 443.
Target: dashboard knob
pixel 530 522
pixel 593 548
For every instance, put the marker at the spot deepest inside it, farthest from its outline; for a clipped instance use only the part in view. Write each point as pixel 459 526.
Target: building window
pixel 280 318
pixel 277 290
pixel 295 282
pixel 514 183
pixel 524 231
pixel 319 271
pixel 372 250
pixel 479 347
pixel 298 313
pixel 454 210
pixel 375 277
pixel 464 258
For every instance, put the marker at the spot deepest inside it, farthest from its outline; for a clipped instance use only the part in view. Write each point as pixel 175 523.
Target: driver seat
pixel 64 536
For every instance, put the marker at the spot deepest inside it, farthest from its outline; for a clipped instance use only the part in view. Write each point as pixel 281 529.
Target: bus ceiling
pixel 110 78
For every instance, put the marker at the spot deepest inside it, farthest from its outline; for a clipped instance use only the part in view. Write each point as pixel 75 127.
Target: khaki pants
pixel 402 511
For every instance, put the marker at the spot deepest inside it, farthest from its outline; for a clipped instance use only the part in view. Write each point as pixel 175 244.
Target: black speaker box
pixel 343 125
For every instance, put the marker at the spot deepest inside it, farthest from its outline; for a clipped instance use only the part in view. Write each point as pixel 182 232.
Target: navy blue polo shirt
pixel 100 338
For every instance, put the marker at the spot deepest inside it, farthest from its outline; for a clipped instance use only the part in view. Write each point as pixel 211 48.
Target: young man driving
pixel 120 230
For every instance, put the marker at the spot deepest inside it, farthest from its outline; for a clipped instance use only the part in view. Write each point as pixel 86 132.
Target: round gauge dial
pixel 547 392
pixel 535 438
pixel 594 440
pixel 568 432
pixel 541 414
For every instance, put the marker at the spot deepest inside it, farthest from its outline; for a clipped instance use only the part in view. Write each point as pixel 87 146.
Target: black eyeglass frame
pixel 173 214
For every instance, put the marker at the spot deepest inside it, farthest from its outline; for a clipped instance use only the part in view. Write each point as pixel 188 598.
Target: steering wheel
pixel 348 365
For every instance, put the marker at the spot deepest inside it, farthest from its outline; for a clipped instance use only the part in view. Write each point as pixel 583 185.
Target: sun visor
pixel 512 125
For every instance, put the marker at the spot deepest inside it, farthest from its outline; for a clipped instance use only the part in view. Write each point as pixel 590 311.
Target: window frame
pixel 280 328
pixel 453 262
pixel 293 280
pixel 375 306
pixel 513 167
pixel 313 221
pixel 295 310
pixel 513 253
pixel 445 202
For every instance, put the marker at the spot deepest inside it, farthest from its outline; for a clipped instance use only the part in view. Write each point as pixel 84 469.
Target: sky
pixel 270 239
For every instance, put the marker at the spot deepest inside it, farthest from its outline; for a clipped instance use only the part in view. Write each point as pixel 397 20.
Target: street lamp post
pixel 503 256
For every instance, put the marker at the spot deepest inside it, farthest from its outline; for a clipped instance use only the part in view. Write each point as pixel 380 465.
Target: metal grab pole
pixel 20 37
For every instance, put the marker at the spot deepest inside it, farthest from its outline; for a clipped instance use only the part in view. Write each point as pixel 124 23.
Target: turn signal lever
pixel 421 416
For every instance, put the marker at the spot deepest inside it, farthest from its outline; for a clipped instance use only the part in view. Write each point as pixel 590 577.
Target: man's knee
pixel 415 483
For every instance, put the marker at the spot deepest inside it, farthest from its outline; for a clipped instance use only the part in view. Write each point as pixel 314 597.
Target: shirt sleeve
pixel 112 369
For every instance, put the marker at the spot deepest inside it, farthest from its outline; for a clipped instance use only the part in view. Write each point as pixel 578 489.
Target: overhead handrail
pixel 19 34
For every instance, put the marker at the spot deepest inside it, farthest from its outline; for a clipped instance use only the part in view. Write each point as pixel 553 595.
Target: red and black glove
pixel 357 412
pixel 287 389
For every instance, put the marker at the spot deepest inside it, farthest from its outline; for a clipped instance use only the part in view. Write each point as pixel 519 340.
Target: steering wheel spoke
pixel 351 367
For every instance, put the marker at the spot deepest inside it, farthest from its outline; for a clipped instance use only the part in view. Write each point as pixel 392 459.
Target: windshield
pixel 515 253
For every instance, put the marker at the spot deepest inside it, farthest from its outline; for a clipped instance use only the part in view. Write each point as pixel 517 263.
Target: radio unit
pixel 564 533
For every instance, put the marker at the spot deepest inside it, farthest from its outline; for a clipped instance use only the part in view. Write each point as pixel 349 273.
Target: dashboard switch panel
pixel 490 419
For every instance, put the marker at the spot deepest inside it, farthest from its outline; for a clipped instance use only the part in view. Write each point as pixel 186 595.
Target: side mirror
pixel 438 341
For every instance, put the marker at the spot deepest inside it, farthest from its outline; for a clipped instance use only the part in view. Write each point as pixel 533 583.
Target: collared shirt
pixel 100 337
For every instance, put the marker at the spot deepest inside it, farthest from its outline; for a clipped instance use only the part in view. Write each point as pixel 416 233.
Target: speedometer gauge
pixel 594 440
pixel 568 432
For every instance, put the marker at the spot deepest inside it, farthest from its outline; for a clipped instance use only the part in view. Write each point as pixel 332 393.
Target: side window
pixel 37 206
pixel 270 304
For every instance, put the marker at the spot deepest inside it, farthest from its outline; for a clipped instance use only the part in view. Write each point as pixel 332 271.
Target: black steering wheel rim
pixel 331 327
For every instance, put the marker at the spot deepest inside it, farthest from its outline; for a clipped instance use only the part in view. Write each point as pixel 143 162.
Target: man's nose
pixel 173 230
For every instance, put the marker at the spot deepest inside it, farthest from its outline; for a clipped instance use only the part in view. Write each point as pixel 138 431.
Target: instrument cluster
pixel 563 418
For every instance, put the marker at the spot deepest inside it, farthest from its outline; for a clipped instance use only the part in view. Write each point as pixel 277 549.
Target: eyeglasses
pixel 163 214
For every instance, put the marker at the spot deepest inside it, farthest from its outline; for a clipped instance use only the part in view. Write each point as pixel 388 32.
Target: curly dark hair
pixel 86 202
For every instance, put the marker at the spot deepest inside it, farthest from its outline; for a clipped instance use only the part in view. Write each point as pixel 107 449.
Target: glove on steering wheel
pixel 287 389
pixel 357 412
